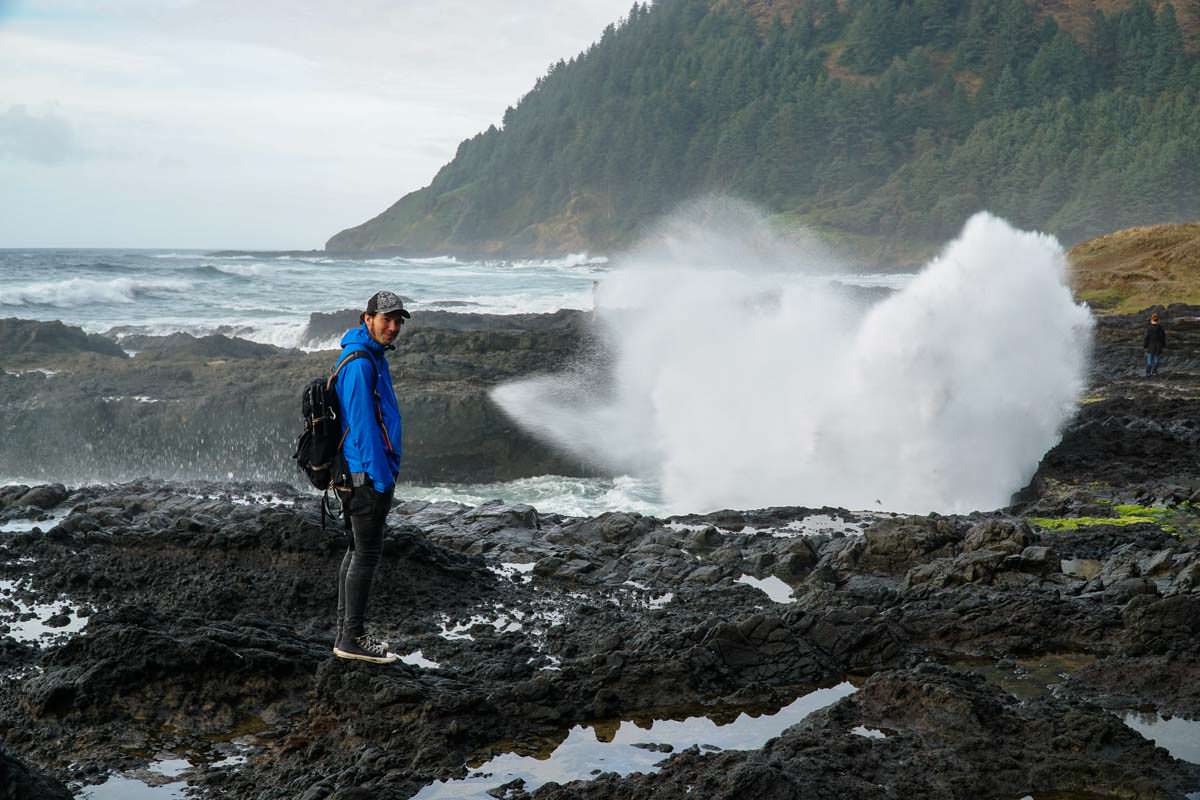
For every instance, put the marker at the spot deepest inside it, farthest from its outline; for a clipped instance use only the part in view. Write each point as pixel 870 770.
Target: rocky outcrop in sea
pixel 218 407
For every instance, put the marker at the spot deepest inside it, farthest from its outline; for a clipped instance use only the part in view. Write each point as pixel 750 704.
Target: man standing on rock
pixel 371 447
pixel 1154 344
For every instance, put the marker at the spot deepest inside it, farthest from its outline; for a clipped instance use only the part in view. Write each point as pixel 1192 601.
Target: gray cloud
pixel 45 139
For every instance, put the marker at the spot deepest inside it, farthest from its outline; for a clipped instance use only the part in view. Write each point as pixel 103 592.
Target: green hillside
pixel 883 123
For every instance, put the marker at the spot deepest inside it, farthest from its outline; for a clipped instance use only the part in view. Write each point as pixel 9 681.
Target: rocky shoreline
pixel 218 407
pixel 999 654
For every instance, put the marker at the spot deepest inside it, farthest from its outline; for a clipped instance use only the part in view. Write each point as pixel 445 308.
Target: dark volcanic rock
pixel 18 781
pixel 940 734
pixel 179 345
pixel 991 650
pixel 22 337
pixel 324 328
pixel 43 497
pixel 214 622
pixel 225 408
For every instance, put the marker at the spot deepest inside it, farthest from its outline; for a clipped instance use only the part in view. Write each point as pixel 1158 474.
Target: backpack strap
pixel 353 355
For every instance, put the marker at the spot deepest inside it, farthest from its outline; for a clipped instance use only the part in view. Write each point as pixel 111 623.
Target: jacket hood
pixel 361 336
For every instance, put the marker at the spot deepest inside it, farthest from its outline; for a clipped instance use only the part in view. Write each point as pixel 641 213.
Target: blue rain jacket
pixel 365 447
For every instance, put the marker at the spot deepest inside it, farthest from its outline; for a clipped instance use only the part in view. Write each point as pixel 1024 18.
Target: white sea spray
pixel 741 379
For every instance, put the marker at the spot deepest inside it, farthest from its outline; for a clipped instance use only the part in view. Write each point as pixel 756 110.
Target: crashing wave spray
pixel 741 378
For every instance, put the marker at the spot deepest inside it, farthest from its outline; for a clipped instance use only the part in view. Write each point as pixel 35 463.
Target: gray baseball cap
pixel 387 303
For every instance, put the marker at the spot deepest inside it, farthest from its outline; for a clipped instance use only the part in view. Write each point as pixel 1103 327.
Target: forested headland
pixel 882 123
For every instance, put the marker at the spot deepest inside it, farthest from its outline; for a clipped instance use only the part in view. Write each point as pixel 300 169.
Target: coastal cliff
pixel 881 125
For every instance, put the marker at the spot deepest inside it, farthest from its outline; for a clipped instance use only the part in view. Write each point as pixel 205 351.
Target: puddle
pixel 503 622
pixel 817 524
pixel 1179 737
pixel 653 601
pixel 511 570
pixel 773 587
pixel 165 779
pixel 119 787
pixel 869 733
pixel 1027 678
pixel 158 781
pixel 1085 568
pixel 26 525
pixel 622 747
pixel 812 525
pixel 36 629
pixel 418 659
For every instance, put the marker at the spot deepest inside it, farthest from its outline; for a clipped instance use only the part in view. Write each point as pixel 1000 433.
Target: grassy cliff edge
pixel 1132 269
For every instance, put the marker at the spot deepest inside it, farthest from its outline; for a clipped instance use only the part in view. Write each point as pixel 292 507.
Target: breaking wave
pixel 75 292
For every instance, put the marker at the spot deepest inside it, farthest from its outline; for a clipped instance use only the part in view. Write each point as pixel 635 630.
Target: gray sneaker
pixel 364 648
pixel 375 641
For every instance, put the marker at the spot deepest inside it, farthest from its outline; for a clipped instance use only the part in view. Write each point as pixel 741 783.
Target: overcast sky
pixel 251 123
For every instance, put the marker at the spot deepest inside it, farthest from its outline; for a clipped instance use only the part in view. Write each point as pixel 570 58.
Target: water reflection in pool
pixel 612 747
pixel 1179 737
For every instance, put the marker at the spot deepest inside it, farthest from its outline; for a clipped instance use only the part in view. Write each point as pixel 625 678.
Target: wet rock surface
pixel 213 623
pixel 993 653
pixel 186 407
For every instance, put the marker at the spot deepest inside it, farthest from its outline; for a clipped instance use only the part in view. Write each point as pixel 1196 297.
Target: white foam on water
pixel 661 601
pixel 444 260
pixel 73 292
pixel 570 261
pixel 268 299
pixel 248 269
pixel 550 494
pixel 887 280
pixel 522 302
pixel 742 379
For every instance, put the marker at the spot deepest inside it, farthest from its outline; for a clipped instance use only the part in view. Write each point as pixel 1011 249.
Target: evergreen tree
pixel 956 105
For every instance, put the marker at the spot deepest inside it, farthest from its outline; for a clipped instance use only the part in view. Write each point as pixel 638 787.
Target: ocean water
pixel 269 298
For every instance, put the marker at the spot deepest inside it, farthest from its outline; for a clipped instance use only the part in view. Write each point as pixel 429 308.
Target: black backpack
pixel 319 445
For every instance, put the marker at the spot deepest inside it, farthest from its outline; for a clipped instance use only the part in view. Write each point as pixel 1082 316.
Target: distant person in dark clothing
pixel 1154 344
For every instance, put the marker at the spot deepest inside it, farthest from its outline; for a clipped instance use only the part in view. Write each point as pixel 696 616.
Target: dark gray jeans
pixel 367 510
